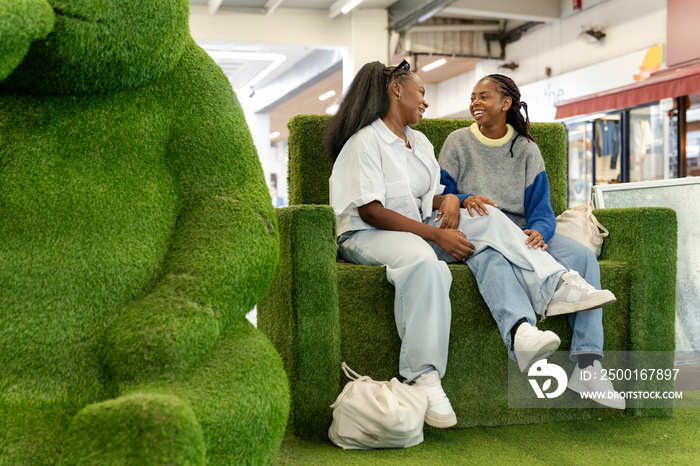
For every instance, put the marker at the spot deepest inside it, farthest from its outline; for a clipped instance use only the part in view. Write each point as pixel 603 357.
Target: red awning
pixel 661 85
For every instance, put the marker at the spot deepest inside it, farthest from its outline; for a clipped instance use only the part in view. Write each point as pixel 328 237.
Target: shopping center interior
pixel 173 289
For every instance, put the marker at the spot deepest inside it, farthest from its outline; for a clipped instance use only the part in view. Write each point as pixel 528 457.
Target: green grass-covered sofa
pixel 320 311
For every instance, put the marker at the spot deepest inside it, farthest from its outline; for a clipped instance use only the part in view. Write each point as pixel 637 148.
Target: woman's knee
pixel 494 219
pixel 563 247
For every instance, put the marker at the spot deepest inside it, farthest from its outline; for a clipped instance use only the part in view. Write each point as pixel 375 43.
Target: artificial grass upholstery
pixel 362 331
pixel 136 232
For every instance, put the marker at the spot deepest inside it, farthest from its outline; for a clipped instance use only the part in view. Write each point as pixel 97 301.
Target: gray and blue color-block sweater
pixel 509 171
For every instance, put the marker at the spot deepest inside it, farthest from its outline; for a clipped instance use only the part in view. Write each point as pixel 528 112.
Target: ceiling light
pixel 342 6
pixel 350 5
pixel 332 109
pixel 274 135
pixel 327 95
pixel 434 64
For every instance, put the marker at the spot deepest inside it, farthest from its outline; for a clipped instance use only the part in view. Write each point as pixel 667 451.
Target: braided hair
pixel 507 88
pixel 365 101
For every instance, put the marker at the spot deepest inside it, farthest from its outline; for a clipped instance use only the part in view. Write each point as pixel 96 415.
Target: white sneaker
pixel 532 345
pixel 574 294
pixel 596 386
pixel 440 412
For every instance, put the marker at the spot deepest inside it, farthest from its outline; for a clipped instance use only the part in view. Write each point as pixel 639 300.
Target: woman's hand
pixel 478 204
pixel 454 243
pixel 535 239
pixel 448 212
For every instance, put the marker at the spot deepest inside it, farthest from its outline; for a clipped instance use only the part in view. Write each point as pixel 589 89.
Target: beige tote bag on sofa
pixel 579 223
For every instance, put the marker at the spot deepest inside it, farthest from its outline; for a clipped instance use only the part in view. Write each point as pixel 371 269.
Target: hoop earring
pixel 398 97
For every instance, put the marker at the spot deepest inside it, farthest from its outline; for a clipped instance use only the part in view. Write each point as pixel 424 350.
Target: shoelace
pixel 436 396
pixel 578 282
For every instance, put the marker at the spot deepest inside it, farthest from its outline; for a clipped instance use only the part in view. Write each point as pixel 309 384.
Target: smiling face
pixel 412 103
pixel 105 44
pixel 488 107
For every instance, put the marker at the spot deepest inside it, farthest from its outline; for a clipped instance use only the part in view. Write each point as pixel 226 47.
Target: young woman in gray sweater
pixel 496 163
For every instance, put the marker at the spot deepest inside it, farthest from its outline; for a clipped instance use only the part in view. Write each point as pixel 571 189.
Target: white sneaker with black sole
pixel 440 413
pixel 574 294
pixel 532 345
pixel 592 382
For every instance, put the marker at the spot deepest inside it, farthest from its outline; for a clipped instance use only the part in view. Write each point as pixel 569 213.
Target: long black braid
pixel 365 101
pixel 507 88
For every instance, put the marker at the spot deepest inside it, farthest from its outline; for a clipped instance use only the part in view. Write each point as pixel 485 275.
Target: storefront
pixel 645 131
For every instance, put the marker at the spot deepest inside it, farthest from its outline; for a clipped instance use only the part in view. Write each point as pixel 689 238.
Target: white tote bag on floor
pixel 370 414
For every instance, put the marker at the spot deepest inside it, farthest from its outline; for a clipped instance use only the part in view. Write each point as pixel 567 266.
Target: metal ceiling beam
pixel 407 13
pixel 504 38
pixel 493 27
pixel 521 10
pixel 513 35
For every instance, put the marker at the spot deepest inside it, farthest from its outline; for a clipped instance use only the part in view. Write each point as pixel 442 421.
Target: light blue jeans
pixel 587 326
pixel 508 301
pixel 418 270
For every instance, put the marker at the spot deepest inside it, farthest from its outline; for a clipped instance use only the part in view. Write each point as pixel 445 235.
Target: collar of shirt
pixel 420 145
pixel 388 135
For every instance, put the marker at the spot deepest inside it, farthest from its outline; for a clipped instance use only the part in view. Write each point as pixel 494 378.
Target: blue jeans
pixel 587 326
pixel 509 302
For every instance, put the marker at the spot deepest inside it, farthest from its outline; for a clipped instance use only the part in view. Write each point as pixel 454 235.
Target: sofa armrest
pixel 646 238
pixel 300 314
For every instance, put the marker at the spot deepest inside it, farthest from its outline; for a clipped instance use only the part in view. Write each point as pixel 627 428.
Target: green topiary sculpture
pixel 136 231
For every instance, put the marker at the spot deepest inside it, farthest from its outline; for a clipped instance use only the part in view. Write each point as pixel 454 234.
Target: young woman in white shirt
pixel 385 190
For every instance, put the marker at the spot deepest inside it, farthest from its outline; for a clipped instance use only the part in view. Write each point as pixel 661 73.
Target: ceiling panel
pixel 306 102
pixel 453 67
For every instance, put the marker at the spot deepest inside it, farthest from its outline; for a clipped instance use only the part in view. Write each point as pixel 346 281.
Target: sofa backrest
pixel 310 169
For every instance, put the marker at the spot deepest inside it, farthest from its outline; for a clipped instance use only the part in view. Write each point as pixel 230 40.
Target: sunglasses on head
pixel 403 65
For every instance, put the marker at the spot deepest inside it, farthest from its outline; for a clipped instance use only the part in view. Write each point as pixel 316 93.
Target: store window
pixel 580 176
pixel 652 144
pixel 636 144
pixel 692 139
pixel 608 159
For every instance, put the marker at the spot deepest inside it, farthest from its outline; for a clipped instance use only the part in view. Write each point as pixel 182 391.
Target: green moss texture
pixel 356 324
pixel 136 232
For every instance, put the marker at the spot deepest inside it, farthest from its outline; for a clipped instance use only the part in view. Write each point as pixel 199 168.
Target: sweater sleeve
pixel 538 211
pixel 451 186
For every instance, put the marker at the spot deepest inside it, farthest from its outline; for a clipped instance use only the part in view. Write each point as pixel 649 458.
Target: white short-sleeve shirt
pixel 373 166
